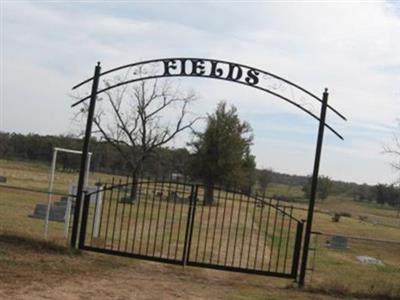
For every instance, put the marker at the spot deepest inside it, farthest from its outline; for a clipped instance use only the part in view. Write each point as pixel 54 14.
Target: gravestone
pixel 57 211
pixel 260 203
pixel 3 179
pixel 368 260
pixel 174 196
pixel 73 190
pixel 127 200
pixel 338 242
pixel 141 194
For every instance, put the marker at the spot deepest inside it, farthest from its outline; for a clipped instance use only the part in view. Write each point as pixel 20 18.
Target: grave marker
pixel 338 242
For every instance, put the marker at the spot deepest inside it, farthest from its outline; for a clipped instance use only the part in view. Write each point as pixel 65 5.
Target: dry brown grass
pixel 32 269
pixel 41 270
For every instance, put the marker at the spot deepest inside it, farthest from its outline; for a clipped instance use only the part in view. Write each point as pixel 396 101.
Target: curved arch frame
pixel 235 72
pixel 199 63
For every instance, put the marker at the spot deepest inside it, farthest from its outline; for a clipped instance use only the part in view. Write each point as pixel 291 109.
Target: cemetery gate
pixel 193 248
pixel 169 222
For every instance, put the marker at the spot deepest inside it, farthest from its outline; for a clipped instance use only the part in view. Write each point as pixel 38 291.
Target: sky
pixel 351 48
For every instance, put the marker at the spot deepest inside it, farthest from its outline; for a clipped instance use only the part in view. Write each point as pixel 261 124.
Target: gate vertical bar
pixel 85 153
pixel 314 184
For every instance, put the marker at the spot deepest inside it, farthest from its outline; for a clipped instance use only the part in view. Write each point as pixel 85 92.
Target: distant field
pixel 17 205
pixel 36 175
pixel 373 212
pixel 336 272
pixel 285 190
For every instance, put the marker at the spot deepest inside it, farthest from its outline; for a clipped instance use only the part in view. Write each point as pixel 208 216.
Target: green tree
pixel 264 178
pixel 324 188
pixel 222 152
pixel 380 194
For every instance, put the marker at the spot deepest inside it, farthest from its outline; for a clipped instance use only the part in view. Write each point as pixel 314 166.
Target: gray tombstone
pixel 173 196
pixel 127 200
pixel 338 242
pixel 57 212
pixel 61 211
pixel 73 190
pixel 95 199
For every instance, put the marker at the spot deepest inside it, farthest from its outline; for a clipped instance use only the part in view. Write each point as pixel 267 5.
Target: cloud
pixel 351 48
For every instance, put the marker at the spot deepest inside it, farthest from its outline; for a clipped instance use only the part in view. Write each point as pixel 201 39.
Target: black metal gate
pixel 221 70
pixel 169 222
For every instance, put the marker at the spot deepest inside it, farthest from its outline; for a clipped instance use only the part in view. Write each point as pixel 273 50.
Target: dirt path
pixel 155 281
pixel 29 270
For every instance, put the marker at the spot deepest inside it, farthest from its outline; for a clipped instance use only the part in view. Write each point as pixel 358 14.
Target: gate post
pixel 85 210
pixel 189 224
pixel 313 192
pixel 84 157
pixel 297 248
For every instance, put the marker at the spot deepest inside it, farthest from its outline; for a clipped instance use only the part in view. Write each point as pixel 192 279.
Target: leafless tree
pixel 394 151
pixel 138 118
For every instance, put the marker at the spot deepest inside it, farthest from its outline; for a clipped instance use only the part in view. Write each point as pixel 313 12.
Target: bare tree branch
pixel 394 150
pixel 137 119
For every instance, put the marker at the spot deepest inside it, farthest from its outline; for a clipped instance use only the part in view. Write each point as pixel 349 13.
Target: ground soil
pixel 31 270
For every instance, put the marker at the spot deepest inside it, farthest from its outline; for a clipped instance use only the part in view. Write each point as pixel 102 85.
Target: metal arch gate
pixel 167 222
pixel 218 70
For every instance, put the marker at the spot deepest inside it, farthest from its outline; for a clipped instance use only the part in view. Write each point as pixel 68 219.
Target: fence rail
pixel 350 237
pixel 24 211
pixel 171 221
pixel 13 187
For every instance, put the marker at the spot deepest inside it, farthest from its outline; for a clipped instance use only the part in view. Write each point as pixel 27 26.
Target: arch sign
pixel 218 70
pixel 213 69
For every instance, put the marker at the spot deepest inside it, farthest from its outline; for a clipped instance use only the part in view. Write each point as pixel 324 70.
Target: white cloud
pixel 352 48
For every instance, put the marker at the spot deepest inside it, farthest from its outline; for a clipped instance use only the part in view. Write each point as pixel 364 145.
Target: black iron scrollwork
pixel 221 70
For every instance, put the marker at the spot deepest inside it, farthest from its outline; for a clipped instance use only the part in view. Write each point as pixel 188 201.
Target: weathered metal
pixel 313 193
pixel 226 235
pixel 195 246
pixel 85 154
pixel 214 69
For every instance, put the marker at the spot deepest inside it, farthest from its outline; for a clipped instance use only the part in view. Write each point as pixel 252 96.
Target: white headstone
pixel 364 259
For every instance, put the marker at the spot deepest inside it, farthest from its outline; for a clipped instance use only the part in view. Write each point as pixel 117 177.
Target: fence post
pixel 297 248
pixel 85 210
pixel 314 184
pixel 189 224
pixel 49 196
pixel 97 211
pixel 84 157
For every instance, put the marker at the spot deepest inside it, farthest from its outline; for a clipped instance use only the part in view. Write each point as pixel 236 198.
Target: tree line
pixel 133 146
pixel 165 161
pixel 34 147
pixel 133 126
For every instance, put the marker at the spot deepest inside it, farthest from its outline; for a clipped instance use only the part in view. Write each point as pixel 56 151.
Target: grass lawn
pixel 31 268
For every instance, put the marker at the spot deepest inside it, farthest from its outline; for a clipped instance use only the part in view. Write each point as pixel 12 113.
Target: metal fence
pixel 170 222
pixel 375 261
pixel 23 212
